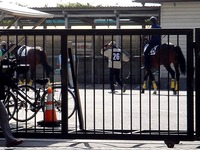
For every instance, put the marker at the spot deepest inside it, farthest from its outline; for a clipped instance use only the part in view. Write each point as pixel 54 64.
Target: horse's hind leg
pixel 144 85
pixel 152 78
pixel 177 78
pixel 172 73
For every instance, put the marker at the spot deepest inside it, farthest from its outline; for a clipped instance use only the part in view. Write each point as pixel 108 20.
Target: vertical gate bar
pixel 178 98
pixel 168 99
pixel 85 88
pixel 140 97
pixel 122 69
pixel 149 86
pixel 34 45
pixel 131 87
pixel 113 106
pixel 94 81
pixel 53 56
pixel 159 104
pixel 16 42
pixel 64 86
pixel 7 43
pixel 76 54
pixel 197 81
pixel 150 98
pixel 190 71
pixel 103 76
pixel 52 73
pixel 44 49
pixel 85 79
pixel 159 99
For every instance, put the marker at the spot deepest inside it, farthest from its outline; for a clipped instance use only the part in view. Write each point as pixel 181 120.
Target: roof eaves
pixel 20 11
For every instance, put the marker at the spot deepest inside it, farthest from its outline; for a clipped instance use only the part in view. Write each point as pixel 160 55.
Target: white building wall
pixel 181 15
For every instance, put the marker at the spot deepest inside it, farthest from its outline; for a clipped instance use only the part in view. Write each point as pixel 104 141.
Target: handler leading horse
pixel 166 54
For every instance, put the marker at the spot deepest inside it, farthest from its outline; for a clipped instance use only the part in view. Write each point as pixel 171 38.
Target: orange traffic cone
pixel 50 118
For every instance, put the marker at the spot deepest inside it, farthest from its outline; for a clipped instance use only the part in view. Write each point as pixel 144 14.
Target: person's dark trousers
pixel 115 76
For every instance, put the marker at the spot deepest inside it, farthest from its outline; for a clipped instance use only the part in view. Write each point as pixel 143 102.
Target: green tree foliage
pixel 75 5
pixel 5 22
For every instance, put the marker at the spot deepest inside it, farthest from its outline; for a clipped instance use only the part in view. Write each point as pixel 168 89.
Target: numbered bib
pixel 116 56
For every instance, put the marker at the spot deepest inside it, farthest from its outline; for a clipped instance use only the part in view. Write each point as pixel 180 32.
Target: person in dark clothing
pixel 11 141
pixel 153 41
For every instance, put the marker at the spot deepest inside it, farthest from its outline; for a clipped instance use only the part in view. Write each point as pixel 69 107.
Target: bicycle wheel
pixel 27 104
pixel 10 104
pixel 57 101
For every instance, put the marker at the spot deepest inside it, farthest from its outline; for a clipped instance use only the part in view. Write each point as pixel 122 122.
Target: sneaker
pixel 14 143
pixel 123 88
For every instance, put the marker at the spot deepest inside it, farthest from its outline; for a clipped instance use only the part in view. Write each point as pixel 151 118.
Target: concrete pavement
pixel 51 144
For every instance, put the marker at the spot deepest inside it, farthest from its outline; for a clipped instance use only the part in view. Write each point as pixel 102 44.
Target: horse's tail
pixel 45 63
pixel 181 59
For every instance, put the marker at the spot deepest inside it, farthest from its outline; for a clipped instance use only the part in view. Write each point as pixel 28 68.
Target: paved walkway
pixel 52 144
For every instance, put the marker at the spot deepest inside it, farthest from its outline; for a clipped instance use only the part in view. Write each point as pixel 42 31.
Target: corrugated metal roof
pixel 20 11
pixel 95 7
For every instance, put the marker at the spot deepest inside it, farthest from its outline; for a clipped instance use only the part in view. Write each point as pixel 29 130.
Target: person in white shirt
pixel 115 58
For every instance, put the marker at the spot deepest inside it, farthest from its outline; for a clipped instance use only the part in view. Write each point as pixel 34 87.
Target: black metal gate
pixel 101 115
pixel 197 83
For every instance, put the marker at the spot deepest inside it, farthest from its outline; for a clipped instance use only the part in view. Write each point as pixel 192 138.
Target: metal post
pixel 118 27
pixel 76 88
pixel 66 20
pixel 64 86
pixel 197 80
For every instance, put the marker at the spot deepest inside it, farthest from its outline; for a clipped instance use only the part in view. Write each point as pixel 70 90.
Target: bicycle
pixel 28 100
pixel 9 102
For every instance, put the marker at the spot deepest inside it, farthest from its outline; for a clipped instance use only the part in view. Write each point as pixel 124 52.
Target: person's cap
pixel 3 43
pixel 153 18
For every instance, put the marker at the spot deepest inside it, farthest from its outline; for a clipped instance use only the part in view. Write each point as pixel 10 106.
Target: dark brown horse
pixel 32 56
pixel 166 54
